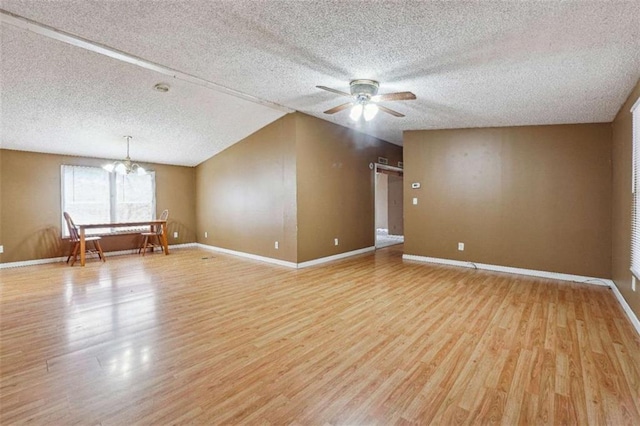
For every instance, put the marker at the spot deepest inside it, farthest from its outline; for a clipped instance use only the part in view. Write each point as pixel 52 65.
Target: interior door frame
pixel 375 167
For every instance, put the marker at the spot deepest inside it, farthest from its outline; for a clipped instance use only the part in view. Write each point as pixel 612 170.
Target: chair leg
pixel 99 248
pixel 71 250
pixel 74 254
pixel 144 245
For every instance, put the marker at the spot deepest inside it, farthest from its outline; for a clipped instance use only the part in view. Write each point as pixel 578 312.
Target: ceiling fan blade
pixel 329 89
pixel 338 108
pixel 390 111
pixel 398 96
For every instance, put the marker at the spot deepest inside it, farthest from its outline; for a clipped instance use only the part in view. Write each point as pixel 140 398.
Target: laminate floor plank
pixel 202 338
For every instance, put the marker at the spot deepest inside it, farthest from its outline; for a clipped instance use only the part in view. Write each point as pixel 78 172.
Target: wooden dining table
pixel 152 224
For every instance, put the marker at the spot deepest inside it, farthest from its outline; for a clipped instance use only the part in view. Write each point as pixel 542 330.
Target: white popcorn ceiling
pixel 470 64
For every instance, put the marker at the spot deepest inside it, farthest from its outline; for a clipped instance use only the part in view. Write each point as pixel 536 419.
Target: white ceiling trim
pixel 56 34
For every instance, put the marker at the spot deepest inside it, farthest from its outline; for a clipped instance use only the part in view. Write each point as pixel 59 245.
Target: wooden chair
pixel 156 234
pixel 74 239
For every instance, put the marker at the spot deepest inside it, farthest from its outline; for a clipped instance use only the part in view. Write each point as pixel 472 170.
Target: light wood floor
pixel 204 338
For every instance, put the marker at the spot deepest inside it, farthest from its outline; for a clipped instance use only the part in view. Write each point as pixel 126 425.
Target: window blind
pixel 92 195
pixel 635 190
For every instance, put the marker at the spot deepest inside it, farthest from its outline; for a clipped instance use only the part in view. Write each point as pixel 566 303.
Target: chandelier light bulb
pixel 370 111
pixel 120 169
pixel 356 112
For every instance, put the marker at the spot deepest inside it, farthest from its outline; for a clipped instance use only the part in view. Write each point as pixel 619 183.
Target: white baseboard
pixel 206 247
pixel 32 262
pixel 625 306
pixel 510 270
pixel 286 263
pixel 335 257
pixel 64 258
pixel 248 255
pixel 535 273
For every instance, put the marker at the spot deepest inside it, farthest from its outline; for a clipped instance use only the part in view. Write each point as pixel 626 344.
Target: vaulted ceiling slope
pixel 470 64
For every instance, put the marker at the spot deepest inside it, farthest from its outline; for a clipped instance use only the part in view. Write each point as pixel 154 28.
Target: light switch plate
pixel 415 201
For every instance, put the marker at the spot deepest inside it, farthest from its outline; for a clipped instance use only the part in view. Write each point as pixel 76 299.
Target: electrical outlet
pixel 206 234
pixel 175 234
pixel 276 245
pixel 1 249
pixel 335 241
pixel 415 201
pixel 633 280
pixel 460 246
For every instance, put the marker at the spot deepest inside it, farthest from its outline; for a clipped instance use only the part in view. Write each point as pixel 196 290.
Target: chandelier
pixel 125 166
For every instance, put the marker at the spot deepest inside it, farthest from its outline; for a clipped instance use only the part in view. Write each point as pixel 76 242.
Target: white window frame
pixel 112 201
pixel 635 191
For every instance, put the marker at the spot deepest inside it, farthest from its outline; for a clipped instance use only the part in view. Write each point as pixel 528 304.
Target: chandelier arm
pixel 125 166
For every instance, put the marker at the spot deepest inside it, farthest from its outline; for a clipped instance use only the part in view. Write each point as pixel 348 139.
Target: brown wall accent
pixel 534 197
pixel 30 199
pixel 247 194
pixel 336 186
pixel 621 201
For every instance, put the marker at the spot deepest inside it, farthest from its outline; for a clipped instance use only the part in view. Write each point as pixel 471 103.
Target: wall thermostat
pixel 415 185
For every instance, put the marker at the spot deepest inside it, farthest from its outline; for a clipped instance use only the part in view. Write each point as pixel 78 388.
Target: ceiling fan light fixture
pixel 365 96
pixel 370 111
pixel 356 112
pixel 125 166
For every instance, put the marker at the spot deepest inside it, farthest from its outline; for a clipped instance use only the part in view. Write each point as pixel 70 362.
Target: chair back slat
pixel 73 230
pixel 163 216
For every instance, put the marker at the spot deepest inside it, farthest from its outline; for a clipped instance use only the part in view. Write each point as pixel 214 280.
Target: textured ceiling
pixel 470 64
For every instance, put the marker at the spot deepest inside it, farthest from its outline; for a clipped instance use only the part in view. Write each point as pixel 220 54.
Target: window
pixel 635 189
pixel 93 195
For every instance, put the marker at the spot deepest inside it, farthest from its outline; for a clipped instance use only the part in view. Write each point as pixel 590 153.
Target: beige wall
pixel 247 194
pixel 30 199
pixel 336 186
pixel 621 202
pixel 535 197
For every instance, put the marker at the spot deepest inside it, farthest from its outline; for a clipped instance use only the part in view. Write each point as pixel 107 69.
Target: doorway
pixel 389 216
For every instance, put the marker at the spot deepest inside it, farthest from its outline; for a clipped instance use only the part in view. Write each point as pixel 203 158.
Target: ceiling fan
pixel 366 99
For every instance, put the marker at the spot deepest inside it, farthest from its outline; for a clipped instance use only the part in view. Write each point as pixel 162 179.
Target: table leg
pixel 165 244
pixel 82 247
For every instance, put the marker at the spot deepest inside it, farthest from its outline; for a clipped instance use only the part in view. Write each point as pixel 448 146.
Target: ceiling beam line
pixel 83 43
